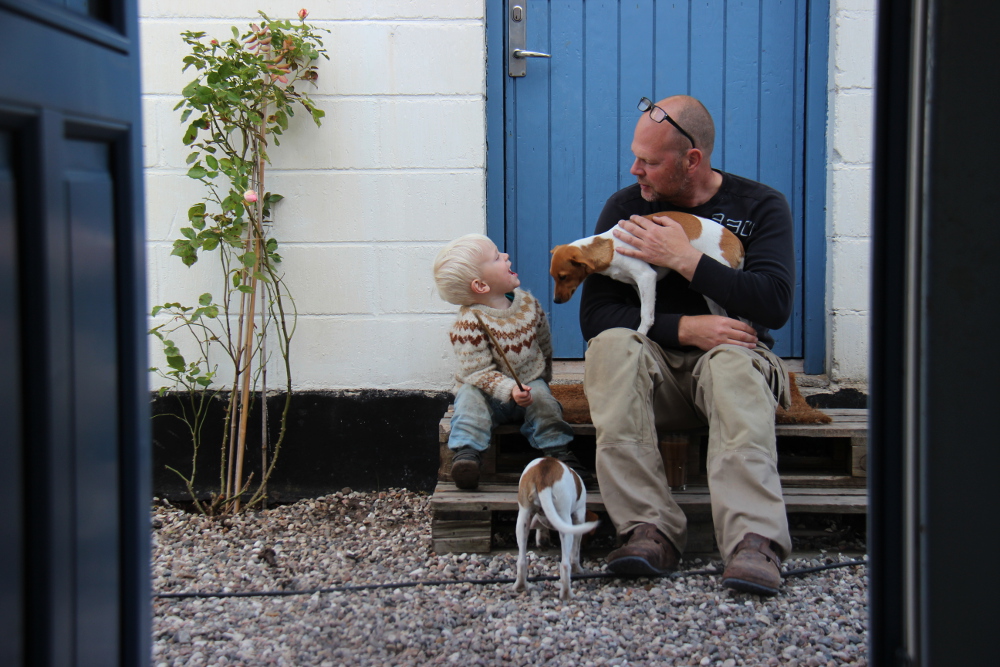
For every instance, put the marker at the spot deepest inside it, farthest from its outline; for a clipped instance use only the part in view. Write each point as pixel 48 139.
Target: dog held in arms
pixel 573 262
pixel 551 495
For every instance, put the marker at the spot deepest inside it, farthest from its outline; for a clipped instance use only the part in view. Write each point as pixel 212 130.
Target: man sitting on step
pixel 693 368
pixel 504 348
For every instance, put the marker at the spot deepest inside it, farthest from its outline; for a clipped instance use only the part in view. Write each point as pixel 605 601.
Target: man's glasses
pixel 658 115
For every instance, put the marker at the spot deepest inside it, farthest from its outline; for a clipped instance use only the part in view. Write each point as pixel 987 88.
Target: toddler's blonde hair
pixel 457 265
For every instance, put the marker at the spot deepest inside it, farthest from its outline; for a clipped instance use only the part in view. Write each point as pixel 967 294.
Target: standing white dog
pixel 550 489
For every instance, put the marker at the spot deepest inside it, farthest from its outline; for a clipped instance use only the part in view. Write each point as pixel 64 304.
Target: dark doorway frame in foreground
pixel 934 366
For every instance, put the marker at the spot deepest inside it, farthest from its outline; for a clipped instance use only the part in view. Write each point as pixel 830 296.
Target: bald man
pixel 693 369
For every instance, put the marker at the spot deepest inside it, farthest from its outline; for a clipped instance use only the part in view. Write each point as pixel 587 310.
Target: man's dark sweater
pixel 760 292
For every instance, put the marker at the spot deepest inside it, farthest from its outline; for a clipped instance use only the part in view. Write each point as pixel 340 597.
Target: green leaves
pixel 281 118
pixel 175 361
pixel 192 132
pixel 196 214
pixel 197 172
pixel 210 311
pixel 241 100
pixel 270 199
pixel 186 250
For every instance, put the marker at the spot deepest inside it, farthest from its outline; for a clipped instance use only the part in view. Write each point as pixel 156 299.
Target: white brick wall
pixel 851 100
pixel 398 168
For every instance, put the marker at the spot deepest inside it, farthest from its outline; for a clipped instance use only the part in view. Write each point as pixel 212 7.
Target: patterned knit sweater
pixel 523 332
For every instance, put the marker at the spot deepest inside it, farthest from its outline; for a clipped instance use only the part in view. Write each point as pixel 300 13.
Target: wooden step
pixel 464 521
pixel 694 499
pixel 829 455
pixel 570 371
pixel 823 470
pixel 847 422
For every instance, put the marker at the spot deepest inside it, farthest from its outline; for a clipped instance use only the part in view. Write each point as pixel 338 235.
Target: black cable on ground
pixel 444 582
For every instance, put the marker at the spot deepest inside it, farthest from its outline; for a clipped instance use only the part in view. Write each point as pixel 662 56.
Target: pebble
pixel 817 619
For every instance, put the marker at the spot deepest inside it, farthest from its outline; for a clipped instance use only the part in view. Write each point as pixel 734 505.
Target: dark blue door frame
pixel 812 281
pixel 74 400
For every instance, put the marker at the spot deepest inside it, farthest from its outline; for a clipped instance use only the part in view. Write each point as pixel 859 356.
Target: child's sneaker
pixel 566 455
pixel 465 467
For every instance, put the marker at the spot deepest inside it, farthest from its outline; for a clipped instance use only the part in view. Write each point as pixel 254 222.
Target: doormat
pixel 576 409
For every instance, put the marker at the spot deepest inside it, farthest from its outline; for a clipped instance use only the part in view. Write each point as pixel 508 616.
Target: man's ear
pixel 694 158
pixel 479 287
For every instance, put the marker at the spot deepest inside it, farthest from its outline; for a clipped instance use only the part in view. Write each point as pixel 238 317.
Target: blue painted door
pixel 74 482
pixel 567 124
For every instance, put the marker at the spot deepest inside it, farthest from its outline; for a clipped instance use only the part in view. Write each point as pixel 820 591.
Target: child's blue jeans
pixel 476 415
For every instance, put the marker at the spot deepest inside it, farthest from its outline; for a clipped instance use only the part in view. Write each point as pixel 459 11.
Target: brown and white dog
pixel 550 488
pixel 575 261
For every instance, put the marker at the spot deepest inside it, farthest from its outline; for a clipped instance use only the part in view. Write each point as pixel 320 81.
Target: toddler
pixel 472 273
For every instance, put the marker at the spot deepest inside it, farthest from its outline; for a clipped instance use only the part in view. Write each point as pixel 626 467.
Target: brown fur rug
pixel 799 412
pixel 576 410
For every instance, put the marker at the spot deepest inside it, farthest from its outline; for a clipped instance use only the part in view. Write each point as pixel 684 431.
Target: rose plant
pixel 242 100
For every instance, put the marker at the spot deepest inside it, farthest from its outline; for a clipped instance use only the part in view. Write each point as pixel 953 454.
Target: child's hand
pixel 522 398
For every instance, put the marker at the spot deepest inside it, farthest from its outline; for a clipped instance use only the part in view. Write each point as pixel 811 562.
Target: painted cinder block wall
pixel 398 168
pixel 849 155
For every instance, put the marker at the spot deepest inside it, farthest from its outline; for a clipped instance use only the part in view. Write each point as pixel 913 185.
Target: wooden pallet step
pixel 570 371
pixel 846 422
pixel 825 455
pixel 823 471
pixel 503 497
pixel 464 521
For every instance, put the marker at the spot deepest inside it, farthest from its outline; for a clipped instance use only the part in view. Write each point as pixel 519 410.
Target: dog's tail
pixel 545 499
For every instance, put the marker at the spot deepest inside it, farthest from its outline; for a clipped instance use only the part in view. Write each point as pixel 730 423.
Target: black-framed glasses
pixel 658 115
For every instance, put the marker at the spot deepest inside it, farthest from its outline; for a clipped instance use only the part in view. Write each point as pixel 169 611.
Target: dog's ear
pixel 585 262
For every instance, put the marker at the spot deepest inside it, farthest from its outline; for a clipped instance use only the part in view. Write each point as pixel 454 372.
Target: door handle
pixel 520 53
pixel 517 19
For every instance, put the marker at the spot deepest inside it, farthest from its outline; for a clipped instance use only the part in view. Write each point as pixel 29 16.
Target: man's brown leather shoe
pixel 647 554
pixel 754 568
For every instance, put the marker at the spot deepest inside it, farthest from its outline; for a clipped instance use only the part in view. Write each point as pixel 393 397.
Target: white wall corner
pixel 849 172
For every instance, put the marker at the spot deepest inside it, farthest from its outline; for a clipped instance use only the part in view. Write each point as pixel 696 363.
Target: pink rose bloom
pixel 303 14
pixel 250 196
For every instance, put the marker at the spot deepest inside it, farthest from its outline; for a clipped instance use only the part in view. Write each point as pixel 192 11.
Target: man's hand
pixel 707 331
pixel 661 241
pixel 522 398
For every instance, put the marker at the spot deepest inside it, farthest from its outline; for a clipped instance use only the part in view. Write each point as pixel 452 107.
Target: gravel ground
pixel 354 539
